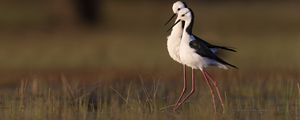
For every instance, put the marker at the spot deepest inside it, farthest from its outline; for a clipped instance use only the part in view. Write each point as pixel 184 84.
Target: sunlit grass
pixel 269 96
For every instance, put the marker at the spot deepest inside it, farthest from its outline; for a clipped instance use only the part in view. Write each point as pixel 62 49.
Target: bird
pixel 196 53
pixel 173 43
pixel 174 40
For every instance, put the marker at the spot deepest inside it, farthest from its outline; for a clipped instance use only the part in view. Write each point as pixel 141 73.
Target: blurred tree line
pixel 90 11
pixel 73 12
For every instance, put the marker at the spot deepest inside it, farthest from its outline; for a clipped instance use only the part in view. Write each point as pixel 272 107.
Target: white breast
pixel 189 56
pixel 173 42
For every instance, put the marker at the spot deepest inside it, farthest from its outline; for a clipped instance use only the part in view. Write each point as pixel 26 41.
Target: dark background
pixel 126 38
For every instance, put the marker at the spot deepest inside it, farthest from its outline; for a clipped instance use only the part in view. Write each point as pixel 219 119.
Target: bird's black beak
pixel 170 19
pixel 174 24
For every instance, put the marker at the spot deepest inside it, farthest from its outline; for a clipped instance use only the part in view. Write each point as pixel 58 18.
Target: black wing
pixel 204 51
pixel 213 46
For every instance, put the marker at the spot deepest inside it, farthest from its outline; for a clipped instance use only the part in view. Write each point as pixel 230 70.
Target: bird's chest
pixel 173 44
pixel 173 47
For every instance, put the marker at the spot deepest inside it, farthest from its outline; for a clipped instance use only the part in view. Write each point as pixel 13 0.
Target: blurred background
pixel 126 39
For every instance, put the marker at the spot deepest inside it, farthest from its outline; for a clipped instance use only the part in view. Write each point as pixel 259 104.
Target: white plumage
pixel 191 58
pixel 194 52
pixel 175 37
pixel 200 57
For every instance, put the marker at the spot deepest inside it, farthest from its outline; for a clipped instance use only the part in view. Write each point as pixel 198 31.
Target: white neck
pixel 185 34
pixel 177 29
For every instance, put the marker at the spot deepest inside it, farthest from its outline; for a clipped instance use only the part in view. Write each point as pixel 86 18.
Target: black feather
pixel 203 48
pixel 213 46
pixel 204 51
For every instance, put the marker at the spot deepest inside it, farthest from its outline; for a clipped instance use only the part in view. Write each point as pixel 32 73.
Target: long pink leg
pixel 211 90
pixel 191 92
pixel 184 85
pixel 215 83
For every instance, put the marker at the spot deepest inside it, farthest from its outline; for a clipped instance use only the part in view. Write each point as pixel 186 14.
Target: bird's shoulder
pixel 202 41
pixel 197 42
pixel 200 47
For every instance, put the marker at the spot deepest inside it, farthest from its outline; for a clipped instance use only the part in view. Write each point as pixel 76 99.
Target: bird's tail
pixel 232 66
pixel 224 63
pixel 226 48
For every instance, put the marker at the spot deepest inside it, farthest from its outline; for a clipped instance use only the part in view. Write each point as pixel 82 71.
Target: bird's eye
pixel 178 9
pixel 182 15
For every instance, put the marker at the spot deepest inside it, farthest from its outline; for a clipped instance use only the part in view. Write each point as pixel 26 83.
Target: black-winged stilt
pixel 197 54
pixel 173 42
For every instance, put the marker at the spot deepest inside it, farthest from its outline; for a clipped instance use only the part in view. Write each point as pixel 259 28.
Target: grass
pixel 268 96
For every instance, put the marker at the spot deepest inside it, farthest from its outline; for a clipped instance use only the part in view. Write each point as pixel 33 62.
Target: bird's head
pixel 177 6
pixel 185 14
